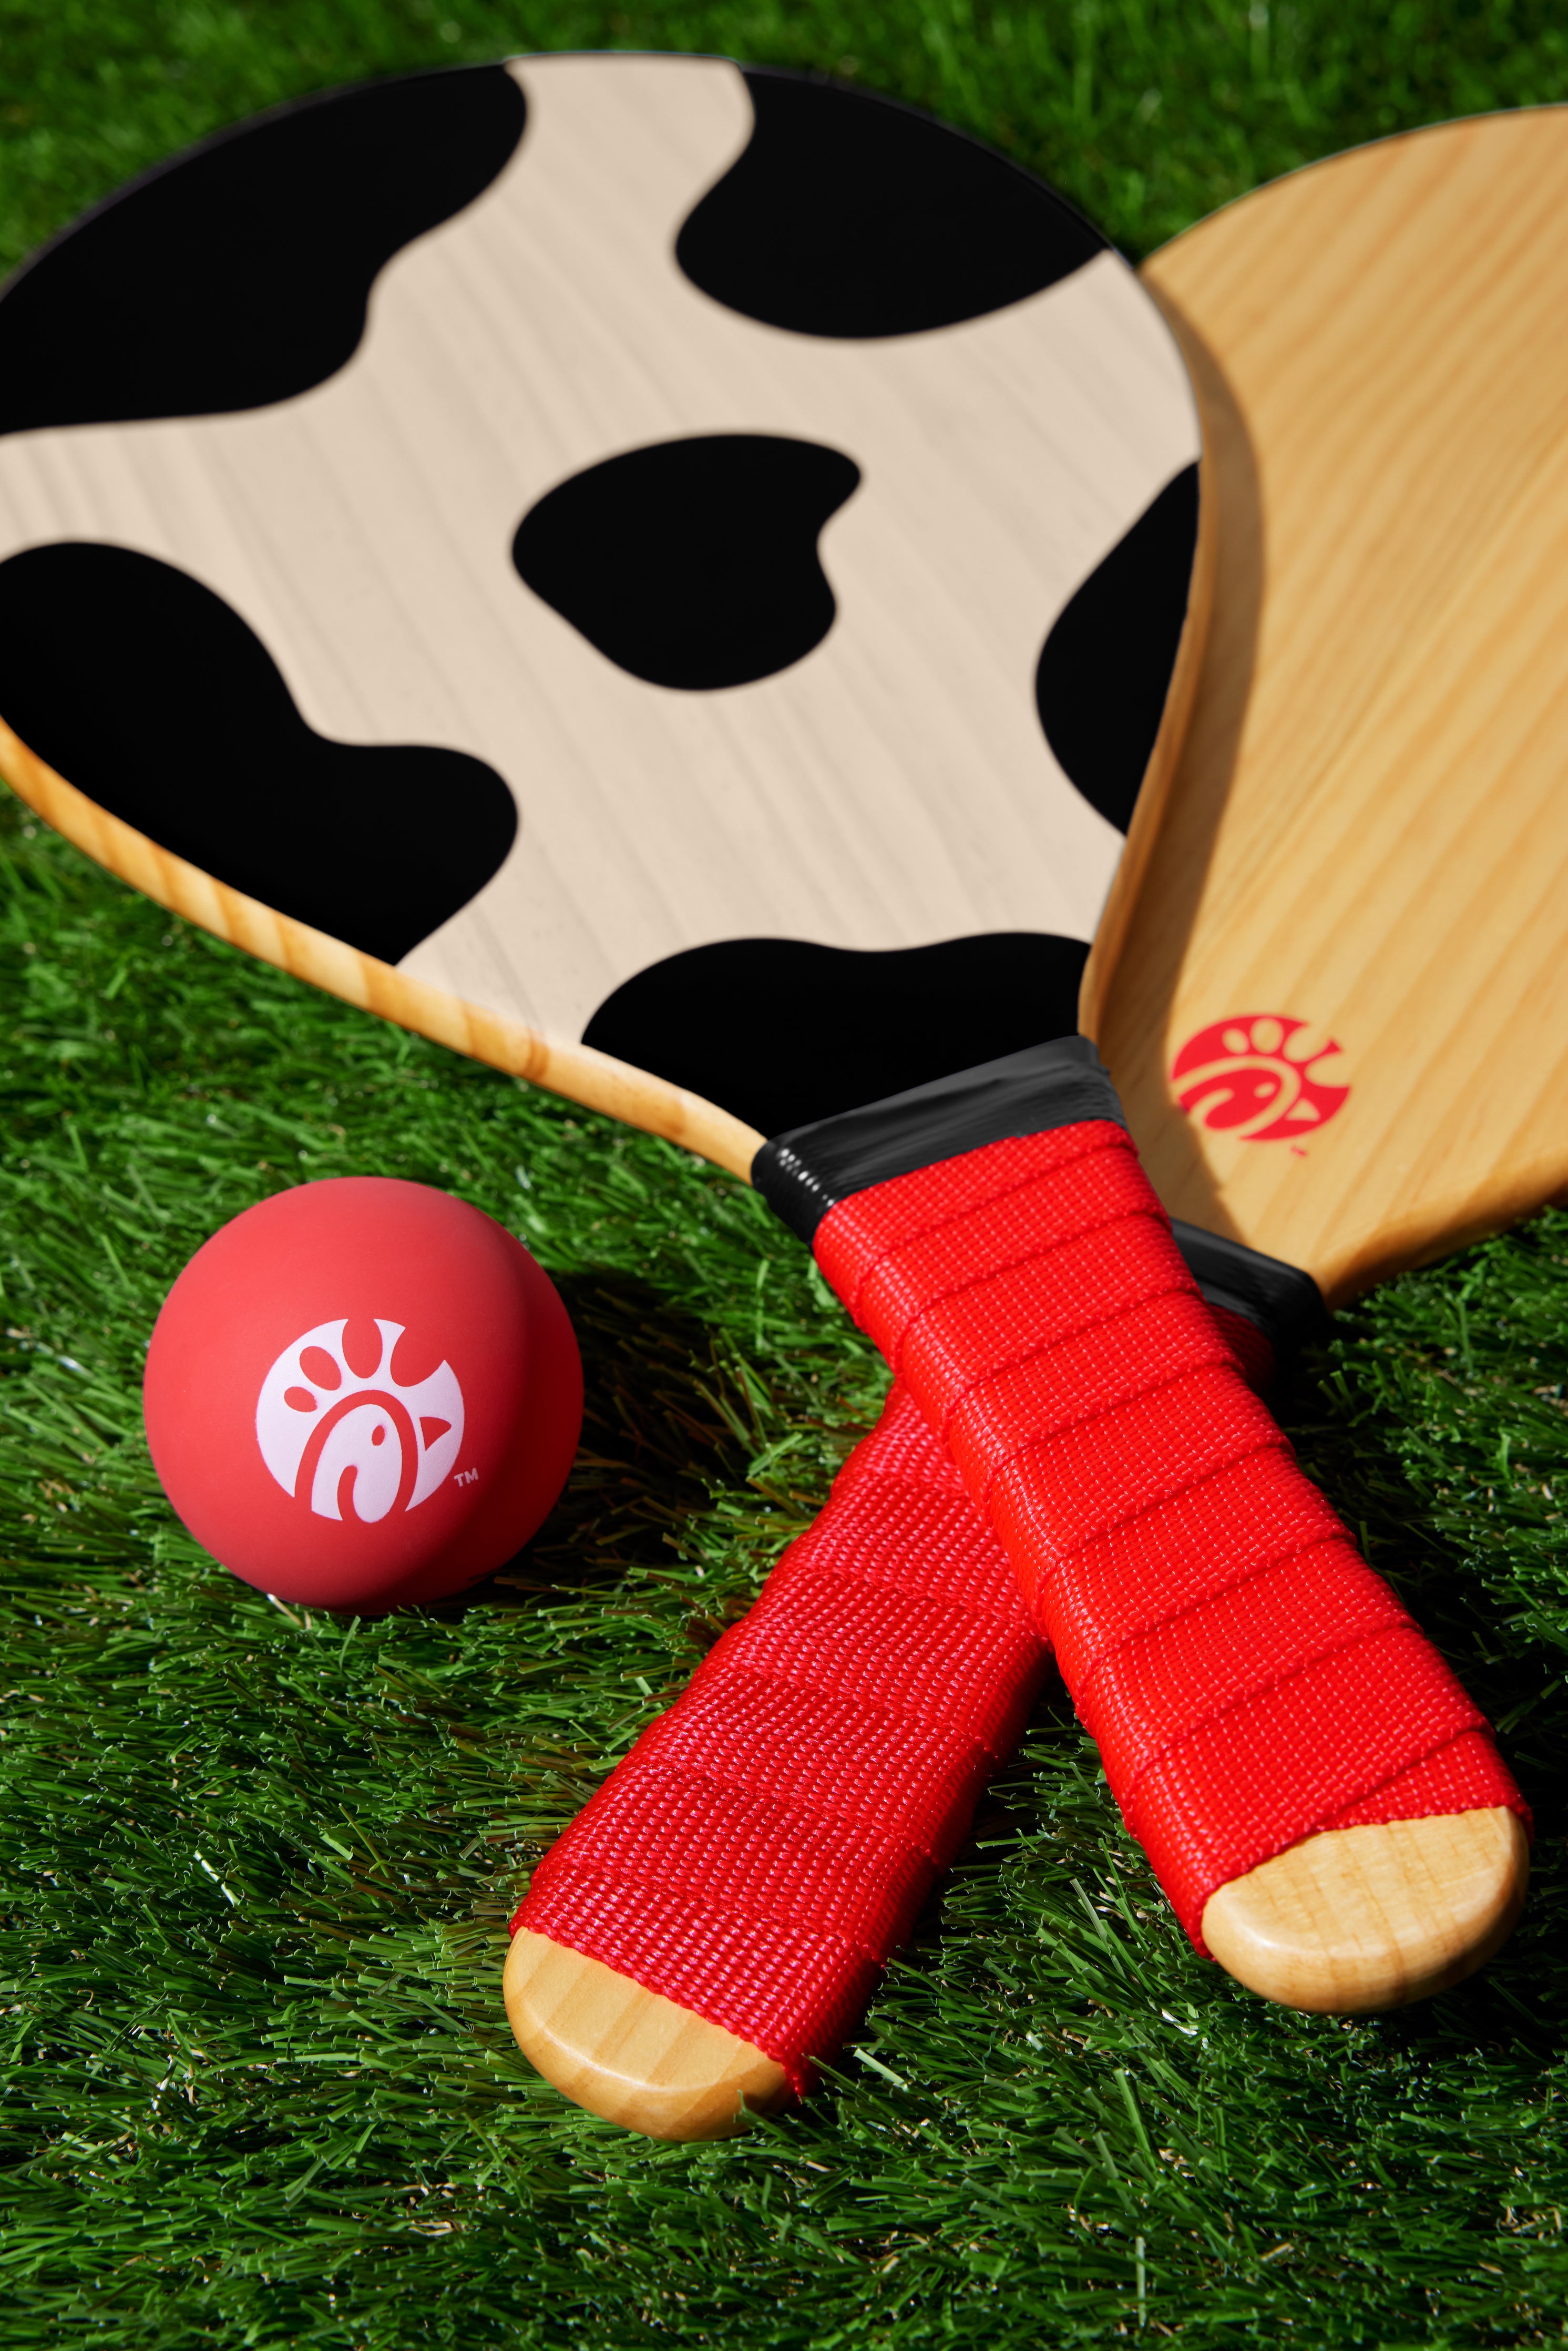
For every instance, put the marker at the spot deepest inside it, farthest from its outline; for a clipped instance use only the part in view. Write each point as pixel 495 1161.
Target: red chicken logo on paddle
pixel 1244 1076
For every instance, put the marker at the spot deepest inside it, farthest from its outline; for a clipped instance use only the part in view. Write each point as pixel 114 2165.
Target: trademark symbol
pixel 468 1476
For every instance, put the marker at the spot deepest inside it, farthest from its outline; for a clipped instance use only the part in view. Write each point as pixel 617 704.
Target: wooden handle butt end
pixel 628 2054
pixel 1355 1920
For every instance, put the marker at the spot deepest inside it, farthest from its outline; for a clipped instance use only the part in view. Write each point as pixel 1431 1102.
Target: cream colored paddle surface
pixel 890 788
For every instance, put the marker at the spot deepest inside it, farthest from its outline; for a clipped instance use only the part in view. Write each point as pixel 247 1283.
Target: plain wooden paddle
pixel 1339 1015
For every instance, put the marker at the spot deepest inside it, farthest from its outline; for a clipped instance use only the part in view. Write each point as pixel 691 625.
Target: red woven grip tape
pixel 1249 1680
pixel 770 1840
pixel 1252 1348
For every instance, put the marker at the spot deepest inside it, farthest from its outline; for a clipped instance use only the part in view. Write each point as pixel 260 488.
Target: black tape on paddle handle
pixel 804 1173
pixel 1285 1303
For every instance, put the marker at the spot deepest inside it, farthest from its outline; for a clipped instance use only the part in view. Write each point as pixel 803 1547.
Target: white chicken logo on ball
pixel 359 1446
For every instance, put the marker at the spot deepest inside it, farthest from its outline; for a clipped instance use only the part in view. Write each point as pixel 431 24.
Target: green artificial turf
pixel 258 1862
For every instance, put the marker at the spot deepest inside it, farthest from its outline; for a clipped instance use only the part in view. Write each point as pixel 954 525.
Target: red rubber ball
pixel 363 1392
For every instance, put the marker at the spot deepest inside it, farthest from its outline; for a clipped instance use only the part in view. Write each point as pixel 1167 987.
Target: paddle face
pixel 1338 1021
pixel 682 560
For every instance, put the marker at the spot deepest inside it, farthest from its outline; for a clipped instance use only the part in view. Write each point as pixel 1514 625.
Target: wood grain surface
pixel 1368 1919
pixel 893 788
pixel 1368 830
pixel 628 2054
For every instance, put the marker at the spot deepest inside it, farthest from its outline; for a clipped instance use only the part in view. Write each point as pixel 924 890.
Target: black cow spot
pixel 239 274
pixel 1106 666
pixel 152 695
pixel 691 563
pixel 781 1032
pixel 851 216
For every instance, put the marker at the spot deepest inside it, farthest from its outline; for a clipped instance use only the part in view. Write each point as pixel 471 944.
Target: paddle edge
pixel 596 1080
pixel 1149 808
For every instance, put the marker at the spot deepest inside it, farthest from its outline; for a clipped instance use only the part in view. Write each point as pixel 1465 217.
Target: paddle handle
pixel 771 1839
pixel 1249 1679
pixel 770 1842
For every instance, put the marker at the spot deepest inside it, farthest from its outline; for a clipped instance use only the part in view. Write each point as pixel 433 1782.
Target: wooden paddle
pixel 1337 1020
pixel 785 832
